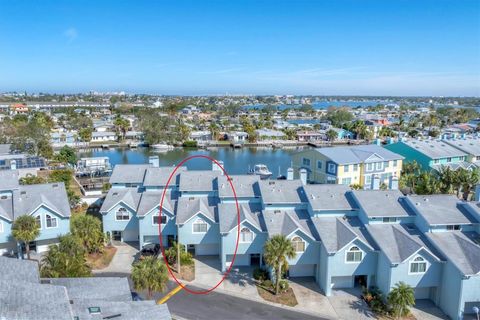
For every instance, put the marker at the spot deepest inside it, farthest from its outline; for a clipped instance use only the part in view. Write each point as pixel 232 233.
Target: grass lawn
pixel 286 298
pixel 187 274
pixel 99 261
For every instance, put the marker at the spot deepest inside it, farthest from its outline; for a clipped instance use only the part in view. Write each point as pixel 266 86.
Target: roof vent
pixel 55 185
pixel 191 198
pixel 276 211
pixel 23 192
pixel 94 310
pixel 271 183
pixel 115 194
pixel 425 199
pixel 4 197
pixel 417 203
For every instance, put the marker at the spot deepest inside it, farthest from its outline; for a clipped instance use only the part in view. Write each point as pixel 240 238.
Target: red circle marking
pixel 160 225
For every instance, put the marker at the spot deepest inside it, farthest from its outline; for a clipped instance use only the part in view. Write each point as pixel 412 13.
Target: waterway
pixel 236 161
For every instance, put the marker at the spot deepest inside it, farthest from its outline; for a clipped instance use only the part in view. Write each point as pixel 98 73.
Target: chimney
pixel 290 174
pixel 13 164
pixel 216 167
pixel 393 183
pixel 375 182
pixel 477 192
pixel 154 161
pixel 303 176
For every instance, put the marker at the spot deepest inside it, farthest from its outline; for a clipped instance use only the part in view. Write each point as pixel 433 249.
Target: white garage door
pixel 151 239
pixel 422 293
pixel 342 282
pixel 302 270
pixel 240 259
pixel 206 249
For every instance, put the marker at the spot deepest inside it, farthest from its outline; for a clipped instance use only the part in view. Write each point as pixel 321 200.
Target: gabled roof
pixel 8 179
pixel 336 233
pixel 329 197
pixel 96 288
pixel 286 222
pixel 245 186
pixel 128 196
pixel 198 180
pixel 227 215
pixel 396 243
pixel 434 149
pixel 129 173
pixel 28 198
pixel 19 270
pixel 151 200
pixel 458 248
pixel 158 176
pixel 470 145
pixel 358 154
pixel 282 191
pixel 6 207
pixel 187 208
pixel 382 203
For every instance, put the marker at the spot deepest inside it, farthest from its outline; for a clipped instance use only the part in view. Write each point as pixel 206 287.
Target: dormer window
pixel 246 235
pixel 354 255
pixel 200 226
pixel 51 221
pixel 418 265
pixel 122 215
pixel 298 244
pixel 453 227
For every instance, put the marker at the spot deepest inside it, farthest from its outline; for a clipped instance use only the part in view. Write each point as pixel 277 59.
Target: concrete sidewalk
pixel 122 260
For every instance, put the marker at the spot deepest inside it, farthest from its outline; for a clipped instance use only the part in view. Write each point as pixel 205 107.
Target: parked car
pixel 150 249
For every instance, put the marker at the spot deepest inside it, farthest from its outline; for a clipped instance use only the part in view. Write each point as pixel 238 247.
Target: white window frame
pixel 244 231
pixel 298 239
pixel 415 261
pixel 38 219
pixel 355 167
pixel 346 168
pixel 1 226
pixel 121 209
pixel 52 218
pixel 158 215
pixel 354 251
pixel 369 167
pixel 379 166
pixel 394 163
pixel 199 221
pixel 331 168
pixel 389 219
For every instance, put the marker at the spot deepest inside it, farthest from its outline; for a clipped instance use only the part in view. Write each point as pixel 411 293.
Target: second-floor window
pixel 298 244
pixel 355 167
pixel 319 164
pixel 453 227
pixel 418 265
pixel 389 219
pixel 449 159
pixel 51 221
pixel 370 167
pixel 354 254
pixel 246 235
pixel 122 215
pixel 306 162
pixel 379 165
pixel 200 226
pixel 162 219
pixel 345 168
pixel 331 168
pixel 38 219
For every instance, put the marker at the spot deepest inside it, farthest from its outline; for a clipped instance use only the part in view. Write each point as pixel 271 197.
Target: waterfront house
pixel 201 136
pixel 310 136
pixel 105 136
pixel 269 134
pixel 342 238
pixel 366 165
pixel 430 154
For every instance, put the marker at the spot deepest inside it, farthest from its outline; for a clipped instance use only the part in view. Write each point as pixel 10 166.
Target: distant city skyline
pixel 344 47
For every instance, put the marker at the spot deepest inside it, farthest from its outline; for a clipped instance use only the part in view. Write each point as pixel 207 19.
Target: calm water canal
pixel 236 161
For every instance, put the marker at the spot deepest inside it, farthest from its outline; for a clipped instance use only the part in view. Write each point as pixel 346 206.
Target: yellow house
pixel 369 166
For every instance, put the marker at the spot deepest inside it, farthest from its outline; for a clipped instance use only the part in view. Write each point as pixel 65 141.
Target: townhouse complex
pixel 342 238
pixel 48 203
pixel 24 295
pixel 369 166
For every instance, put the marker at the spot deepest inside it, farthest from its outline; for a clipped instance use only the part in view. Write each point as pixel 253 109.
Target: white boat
pixel 261 170
pixel 161 147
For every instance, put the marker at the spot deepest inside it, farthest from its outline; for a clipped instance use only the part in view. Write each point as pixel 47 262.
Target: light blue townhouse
pixel 343 238
pixel 48 203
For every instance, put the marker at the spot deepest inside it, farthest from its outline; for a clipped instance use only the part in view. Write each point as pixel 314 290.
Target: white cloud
pixel 71 34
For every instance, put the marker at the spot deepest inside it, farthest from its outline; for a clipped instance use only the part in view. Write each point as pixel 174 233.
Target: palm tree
pixel 400 298
pixel 26 229
pixel 331 135
pixel 448 179
pixel 88 229
pixel 466 181
pixel 427 183
pixel 149 274
pixel 277 251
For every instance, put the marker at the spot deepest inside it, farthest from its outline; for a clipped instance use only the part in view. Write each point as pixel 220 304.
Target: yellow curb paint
pixel 169 295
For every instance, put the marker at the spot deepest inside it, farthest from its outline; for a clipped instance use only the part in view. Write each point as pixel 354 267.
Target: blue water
pixel 236 161
pixel 322 104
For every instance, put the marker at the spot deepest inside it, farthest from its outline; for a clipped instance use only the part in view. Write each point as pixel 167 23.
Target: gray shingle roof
pixel 282 191
pixel 227 215
pixel 129 196
pixel 441 209
pixel 381 203
pixel 468 145
pixel 6 207
pixel 129 173
pixel 335 233
pixel 18 270
pixel 189 207
pixel 287 221
pixel 29 197
pixel 397 244
pixel 131 310
pixel 158 177
pixel 434 149
pixel 8 179
pixel 198 180
pixel 4 149
pixel 328 196
pixel 459 249
pixel 245 186
pixel 96 288
pixel 151 200
pixel 358 154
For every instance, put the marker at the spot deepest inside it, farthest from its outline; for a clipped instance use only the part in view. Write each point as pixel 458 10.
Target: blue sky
pixel 342 47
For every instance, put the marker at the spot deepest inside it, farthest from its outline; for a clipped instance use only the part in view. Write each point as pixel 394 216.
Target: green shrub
pixel 260 274
pixel 186 258
pixel 283 285
pixel 267 284
pixel 190 144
